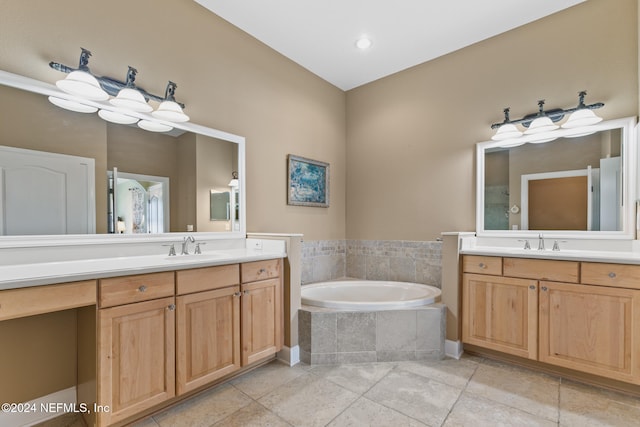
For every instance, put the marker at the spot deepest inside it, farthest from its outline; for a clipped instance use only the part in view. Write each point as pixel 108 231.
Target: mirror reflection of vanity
pixel 164 179
pixel 581 186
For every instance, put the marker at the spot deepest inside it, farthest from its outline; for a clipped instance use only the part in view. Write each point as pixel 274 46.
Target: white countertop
pixel 618 257
pixel 47 273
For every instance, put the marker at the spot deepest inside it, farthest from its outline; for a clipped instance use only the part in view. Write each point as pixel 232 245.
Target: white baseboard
pixel 453 349
pixel 289 355
pixel 38 410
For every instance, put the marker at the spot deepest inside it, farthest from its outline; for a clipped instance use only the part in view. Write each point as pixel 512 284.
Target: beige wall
pixel 411 136
pixel 227 79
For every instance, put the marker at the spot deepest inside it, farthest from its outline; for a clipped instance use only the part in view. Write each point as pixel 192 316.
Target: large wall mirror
pixel 125 180
pixel 568 186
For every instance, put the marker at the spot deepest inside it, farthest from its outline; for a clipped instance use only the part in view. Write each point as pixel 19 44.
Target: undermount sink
pixel 192 257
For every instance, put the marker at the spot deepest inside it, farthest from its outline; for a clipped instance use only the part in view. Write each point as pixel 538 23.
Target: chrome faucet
pixel 185 244
pixel 540 242
pixel 527 246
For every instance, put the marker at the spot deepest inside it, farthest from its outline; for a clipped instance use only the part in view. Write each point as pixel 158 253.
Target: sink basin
pixel 192 257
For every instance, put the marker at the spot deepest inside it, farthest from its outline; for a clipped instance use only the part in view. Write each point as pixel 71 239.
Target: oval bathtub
pixel 369 295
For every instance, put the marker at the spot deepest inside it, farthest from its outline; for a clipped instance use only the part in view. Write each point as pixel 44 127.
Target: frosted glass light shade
pixel 153 126
pixel 506 131
pixel 113 117
pixel 170 111
pixel 72 105
pixel 81 83
pixel 582 117
pixel 131 99
pixel 541 124
pixel 234 183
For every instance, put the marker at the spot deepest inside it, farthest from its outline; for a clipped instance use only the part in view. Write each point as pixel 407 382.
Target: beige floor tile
pixel 582 405
pixel 358 377
pixel 146 422
pixel 529 391
pixel 261 381
pixel 66 420
pixel 455 373
pixel 204 409
pixel 308 400
pixel 253 415
pixel 422 398
pixel 475 411
pixel 364 412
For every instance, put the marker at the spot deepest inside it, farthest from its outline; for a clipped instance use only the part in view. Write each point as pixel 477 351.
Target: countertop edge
pixel 31 279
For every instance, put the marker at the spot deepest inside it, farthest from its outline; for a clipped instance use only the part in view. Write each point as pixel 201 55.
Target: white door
pixel 46 193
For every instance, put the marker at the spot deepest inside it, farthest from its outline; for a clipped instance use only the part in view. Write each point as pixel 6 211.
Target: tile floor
pixel 468 392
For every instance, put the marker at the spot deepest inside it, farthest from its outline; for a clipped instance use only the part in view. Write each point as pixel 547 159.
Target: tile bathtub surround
pixel 330 337
pixel 471 391
pixel 398 260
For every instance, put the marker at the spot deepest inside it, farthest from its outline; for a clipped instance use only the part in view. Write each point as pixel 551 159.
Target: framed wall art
pixel 307 182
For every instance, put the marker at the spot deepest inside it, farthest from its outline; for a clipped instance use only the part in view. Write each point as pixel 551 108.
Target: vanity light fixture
pixel 234 180
pixel 128 97
pixel 542 123
pixel 169 109
pixel 153 126
pixel 583 116
pixel 131 98
pixel 116 117
pixel 70 105
pixel 545 121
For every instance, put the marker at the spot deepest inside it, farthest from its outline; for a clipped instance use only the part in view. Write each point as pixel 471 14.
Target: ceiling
pixel 321 35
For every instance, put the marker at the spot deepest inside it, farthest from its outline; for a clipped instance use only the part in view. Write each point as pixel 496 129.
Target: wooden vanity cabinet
pixel 208 325
pixel 136 345
pixel 262 314
pixel 501 313
pixel 591 328
pixel 577 315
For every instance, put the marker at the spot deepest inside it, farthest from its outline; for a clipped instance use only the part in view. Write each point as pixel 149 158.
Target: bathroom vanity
pixel 98 314
pixel 547 281
pixel 579 315
pixel 167 330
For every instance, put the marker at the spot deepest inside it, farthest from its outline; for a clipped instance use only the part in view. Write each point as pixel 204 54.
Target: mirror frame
pixel 629 154
pixel 31 85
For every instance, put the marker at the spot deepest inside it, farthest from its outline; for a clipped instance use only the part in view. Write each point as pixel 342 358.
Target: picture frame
pixel 307 182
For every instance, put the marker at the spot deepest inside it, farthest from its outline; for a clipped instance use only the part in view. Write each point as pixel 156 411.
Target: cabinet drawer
pixel 23 302
pixel 205 279
pixel 616 275
pixel 482 264
pixel 542 269
pixel 260 270
pixel 129 289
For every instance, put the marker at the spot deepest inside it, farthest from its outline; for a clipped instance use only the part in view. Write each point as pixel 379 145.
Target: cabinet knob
pixel 246 292
pixel 481 265
pixel 262 270
pixel 532 287
pixel 171 307
pixel 142 288
pixel 544 288
pixel 612 275
pixel 237 294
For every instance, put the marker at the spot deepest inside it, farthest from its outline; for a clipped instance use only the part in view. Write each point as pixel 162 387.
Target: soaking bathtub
pixel 369 295
pixel 358 321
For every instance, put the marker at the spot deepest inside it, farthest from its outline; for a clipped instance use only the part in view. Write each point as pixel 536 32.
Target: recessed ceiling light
pixel 364 43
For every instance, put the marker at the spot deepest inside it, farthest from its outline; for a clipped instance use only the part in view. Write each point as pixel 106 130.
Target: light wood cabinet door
pixel 500 313
pixel 208 337
pixel 591 328
pixel 261 319
pixel 136 347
